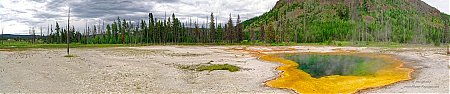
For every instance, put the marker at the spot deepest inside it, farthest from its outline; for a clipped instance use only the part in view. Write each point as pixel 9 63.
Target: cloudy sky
pixel 18 16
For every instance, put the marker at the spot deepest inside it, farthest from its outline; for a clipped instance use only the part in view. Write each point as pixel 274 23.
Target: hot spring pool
pixel 345 65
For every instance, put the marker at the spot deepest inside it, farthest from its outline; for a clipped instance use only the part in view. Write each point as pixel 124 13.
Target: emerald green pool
pixel 318 65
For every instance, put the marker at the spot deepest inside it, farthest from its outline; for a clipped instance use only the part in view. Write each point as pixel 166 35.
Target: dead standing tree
pixel 41 36
pixel 68 31
pixel 33 34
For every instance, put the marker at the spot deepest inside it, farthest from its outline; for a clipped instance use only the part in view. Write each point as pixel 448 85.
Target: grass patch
pixel 210 67
pixel 213 67
pixel 70 56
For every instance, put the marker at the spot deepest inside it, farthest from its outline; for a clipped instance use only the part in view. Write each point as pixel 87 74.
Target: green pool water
pixel 345 65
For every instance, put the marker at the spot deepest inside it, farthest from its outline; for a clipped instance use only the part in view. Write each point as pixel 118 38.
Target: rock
pixel 448 50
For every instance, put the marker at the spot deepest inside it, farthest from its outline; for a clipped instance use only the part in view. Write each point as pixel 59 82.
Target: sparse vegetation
pixel 213 67
pixel 210 67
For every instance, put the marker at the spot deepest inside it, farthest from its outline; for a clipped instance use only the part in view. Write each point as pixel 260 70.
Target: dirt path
pixel 155 69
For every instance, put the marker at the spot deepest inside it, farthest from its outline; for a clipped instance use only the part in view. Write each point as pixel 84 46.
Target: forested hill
pixel 402 21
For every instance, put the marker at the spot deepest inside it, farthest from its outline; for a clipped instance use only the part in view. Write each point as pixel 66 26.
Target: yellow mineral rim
pixel 302 82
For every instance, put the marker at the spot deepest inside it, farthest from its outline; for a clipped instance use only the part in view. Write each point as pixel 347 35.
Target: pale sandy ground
pixel 154 69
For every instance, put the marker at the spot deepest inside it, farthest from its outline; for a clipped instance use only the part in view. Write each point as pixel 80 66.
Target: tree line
pixel 155 31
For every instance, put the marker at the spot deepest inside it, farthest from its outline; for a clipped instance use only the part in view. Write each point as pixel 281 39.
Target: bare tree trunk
pixel 68 31
pixel 41 35
pixel 33 34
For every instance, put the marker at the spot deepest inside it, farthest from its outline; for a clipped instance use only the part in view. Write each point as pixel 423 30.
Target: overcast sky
pixel 17 16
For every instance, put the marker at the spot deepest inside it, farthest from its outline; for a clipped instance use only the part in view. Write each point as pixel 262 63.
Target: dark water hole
pixel 345 65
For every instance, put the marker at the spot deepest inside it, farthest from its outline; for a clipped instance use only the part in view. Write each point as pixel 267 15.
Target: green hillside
pixel 310 21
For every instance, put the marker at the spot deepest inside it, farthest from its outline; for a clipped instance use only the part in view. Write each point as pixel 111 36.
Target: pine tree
pixel 122 30
pixel 240 34
pixel 58 32
pixel 151 28
pixel 262 33
pixel 115 32
pixel 145 30
pixel 137 34
pixel 72 35
pixel 174 29
pixel 252 35
pixel 271 34
pixel 220 33
pixel 230 30
pixel 108 34
pixel 160 31
pixel 94 32
pixel 182 33
pixel 197 33
pixel 212 27
pixel 167 31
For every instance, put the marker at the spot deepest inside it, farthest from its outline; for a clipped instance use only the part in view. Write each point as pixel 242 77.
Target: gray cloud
pixel 100 8
pixel 164 1
pixel 107 9
pixel 39 1
pixel 46 15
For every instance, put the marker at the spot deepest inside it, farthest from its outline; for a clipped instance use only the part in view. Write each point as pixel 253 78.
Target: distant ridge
pixel 13 36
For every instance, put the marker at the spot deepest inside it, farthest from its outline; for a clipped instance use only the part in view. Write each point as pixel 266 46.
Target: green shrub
pixel 245 42
pixel 213 67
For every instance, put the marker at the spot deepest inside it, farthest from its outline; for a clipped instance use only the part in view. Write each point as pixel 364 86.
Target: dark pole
pixel 68 31
pixel 2 34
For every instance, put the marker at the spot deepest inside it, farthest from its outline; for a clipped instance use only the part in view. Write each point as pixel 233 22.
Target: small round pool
pixel 345 65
